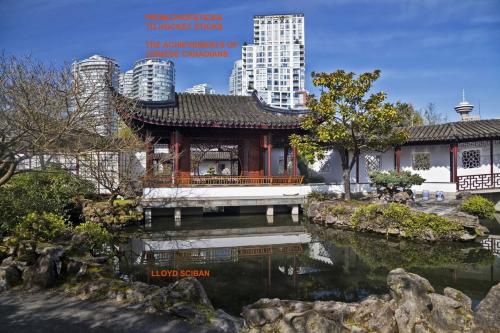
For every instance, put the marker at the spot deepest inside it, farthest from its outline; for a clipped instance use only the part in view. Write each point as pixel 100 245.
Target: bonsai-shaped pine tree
pixel 346 119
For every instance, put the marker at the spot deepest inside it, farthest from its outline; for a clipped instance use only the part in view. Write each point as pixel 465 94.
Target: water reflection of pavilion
pixel 220 245
pixel 226 245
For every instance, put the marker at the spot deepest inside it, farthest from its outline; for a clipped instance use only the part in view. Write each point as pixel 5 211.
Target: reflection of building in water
pixel 206 249
pixel 492 243
pixel 317 251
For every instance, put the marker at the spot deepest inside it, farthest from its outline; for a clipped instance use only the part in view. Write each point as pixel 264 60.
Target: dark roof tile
pixel 461 130
pixel 220 110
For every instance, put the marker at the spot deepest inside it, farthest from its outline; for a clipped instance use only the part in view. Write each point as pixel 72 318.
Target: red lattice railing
pixel 222 181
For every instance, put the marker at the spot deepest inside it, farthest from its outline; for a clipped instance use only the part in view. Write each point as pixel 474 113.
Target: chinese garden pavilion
pixel 240 121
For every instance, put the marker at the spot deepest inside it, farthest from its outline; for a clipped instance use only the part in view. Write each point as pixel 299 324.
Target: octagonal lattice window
pixel 471 158
pixel 372 163
pixel 421 161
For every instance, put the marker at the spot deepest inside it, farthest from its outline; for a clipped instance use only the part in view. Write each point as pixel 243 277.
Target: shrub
pixel 98 239
pixel 368 213
pixel 42 227
pixel 479 206
pixel 441 226
pixel 48 191
pixel 390 182
pixel 320 196
pixel 396 213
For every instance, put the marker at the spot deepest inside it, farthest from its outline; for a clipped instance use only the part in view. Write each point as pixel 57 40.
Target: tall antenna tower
pixel 464 108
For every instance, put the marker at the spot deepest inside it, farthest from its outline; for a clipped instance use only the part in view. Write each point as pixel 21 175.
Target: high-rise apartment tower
pixel 274 65
pixel 153 80
pixel 95 76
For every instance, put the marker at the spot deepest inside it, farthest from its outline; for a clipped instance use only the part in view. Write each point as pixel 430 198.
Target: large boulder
pixel 449 315
pixel 487 316
pixel 226 323
pixel 47 268
pixel 376 315
pixel 274 315
pixel 26 252
pixel 9 277
pixel 190 290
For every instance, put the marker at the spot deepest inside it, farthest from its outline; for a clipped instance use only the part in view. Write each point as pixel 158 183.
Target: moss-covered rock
pixel 395 219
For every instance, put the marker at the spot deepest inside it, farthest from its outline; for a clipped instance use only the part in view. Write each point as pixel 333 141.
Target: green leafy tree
pixel 345 119
pixel 411 116
pixel 48 191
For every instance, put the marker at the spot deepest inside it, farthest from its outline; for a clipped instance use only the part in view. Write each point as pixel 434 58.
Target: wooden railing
pixel 222 181
pixel 478 182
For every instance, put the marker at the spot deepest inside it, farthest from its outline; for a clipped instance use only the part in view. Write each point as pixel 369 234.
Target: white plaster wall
pixel 484 168
pixel 496 156
pixel 247 191
pixel 440 162
pixel 386 164
pixel 330 168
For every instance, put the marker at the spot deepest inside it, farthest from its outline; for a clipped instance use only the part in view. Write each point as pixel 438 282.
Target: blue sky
pixel 428 50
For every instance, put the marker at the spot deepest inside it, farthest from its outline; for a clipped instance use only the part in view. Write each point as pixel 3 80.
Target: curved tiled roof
pixel 199 110
pixel 461 130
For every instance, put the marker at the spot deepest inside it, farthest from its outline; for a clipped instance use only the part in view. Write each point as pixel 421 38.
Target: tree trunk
pixel 346 175
pixel 11 168
pixel 347 165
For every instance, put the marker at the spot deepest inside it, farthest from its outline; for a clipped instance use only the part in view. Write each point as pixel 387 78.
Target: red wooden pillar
pixel 397 159
pixel 149 158
pixel 253 157
pixel 453 163
pixel 185 158
pixel 294 161
pixel 269 156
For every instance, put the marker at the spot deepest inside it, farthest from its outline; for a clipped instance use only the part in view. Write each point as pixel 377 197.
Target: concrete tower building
pixel 236 79
pixel 153 80
pixel 202 88
pixel 125 83
pixel 96 75
pixel 274 65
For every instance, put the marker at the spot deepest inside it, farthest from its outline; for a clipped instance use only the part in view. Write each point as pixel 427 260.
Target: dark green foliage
pixel 389 181
pixel 98 238
pixel 42 227
pixel 50 191
pixel 479 206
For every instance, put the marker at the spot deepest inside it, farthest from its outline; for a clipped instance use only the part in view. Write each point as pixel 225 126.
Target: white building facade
pixel 274 65
pixel 202 88
pixel 153 80
pixel 95 75
pixel 125 83
pixel 451 157
pixel 236 79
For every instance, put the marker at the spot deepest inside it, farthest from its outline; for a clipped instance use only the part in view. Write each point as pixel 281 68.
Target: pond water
pixel 250 257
